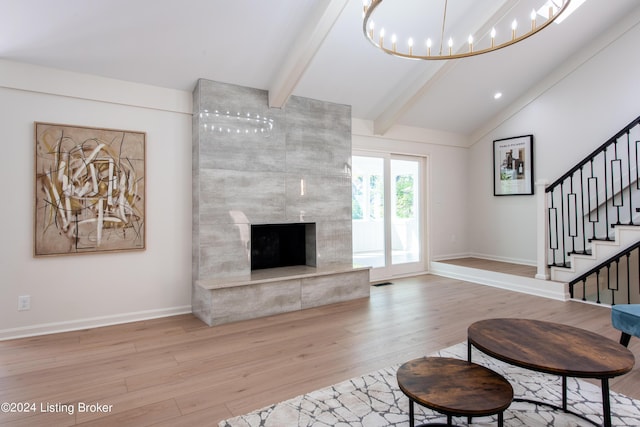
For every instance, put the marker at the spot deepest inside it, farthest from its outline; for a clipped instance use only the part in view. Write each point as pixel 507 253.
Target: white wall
pixel 573 112
pixel 71 292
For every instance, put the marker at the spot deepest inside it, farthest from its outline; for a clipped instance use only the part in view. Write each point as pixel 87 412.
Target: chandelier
pixel 511 26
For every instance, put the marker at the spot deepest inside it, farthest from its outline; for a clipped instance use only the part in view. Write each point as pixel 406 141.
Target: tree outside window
pixel 404 196
pixel 357 197
pixel 367 200
pixel 376 197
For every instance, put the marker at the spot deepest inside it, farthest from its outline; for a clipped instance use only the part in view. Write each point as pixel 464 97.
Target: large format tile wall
pixel 299 171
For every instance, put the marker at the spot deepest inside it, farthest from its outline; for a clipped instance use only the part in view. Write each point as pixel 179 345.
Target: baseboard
pixel 451 256
pixel 93 322
pixel 397 276
pixel 505 259
pixel 486 257
pixel 527 285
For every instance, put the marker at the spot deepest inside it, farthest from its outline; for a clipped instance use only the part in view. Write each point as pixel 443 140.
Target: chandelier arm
pixel 370 8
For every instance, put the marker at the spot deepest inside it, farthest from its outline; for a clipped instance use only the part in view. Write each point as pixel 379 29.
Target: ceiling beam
pixel 304 49
pixel 409 94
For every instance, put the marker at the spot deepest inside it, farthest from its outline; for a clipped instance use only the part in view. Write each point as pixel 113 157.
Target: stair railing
pixel 621 284
pixel 598 193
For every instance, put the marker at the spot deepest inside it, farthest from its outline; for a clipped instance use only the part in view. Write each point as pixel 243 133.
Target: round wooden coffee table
pixel 556 349
pixel 454 387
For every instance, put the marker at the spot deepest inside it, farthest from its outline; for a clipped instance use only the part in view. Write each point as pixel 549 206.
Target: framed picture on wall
pixel 513 166
pixel 89 190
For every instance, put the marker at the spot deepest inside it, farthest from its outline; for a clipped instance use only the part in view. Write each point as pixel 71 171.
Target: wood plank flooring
pixel 179 372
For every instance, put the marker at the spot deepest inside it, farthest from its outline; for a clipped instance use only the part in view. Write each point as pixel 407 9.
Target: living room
pixel 570 111
pixel 561 114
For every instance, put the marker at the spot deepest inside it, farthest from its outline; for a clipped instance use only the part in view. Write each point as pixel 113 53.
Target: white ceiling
pixel 310 48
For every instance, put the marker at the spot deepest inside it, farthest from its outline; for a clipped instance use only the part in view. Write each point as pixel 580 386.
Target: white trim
pixel 484 256
pixel 93 322
pixel 531 263
pixel 526 285
pixel 364 128
pixel 542 231
pixel 398 276
pixel 33 78
pixel 451 256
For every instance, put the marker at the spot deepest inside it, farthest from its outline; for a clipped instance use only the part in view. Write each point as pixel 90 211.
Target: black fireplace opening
pixel 280 245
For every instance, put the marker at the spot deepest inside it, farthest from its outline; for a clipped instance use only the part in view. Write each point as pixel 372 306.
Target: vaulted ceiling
pixel 310 48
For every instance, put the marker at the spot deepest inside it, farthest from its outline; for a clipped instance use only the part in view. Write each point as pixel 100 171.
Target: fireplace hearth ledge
pixel 277 290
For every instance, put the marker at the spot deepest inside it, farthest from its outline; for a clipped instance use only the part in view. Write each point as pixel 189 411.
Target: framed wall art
pixel 513 166
pixel 89 190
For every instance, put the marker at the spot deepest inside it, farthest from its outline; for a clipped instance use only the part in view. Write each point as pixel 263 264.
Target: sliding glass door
pixel 387 214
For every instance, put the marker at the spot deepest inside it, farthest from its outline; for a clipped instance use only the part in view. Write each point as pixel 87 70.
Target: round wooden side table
pixel 454 387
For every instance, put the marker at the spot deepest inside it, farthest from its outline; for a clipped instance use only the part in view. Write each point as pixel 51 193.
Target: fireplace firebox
pixel 282 245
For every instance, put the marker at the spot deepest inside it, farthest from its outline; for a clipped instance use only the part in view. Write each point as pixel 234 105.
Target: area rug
pixel 374 400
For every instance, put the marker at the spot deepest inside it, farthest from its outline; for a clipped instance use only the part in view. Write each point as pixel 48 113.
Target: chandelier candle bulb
pixel 493 38
pixel 410 43
pixel 450 45
pixel 514 26
pixel 394 39
pixel 470 43
pixel 533 20
pixel 381 37
pixel 429 47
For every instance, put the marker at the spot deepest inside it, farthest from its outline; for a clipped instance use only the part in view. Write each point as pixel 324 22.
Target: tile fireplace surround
pixel 256 165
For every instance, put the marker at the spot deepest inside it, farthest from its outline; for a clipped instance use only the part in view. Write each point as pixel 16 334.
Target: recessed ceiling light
pixel 497 95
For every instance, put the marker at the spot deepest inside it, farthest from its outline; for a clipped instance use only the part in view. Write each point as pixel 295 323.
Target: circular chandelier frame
pixel 367 29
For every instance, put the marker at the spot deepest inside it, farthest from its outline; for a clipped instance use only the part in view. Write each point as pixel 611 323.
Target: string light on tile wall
pixel 238 123
pixel 444 40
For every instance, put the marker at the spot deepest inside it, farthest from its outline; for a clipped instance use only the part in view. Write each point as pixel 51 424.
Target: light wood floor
pixel 179 372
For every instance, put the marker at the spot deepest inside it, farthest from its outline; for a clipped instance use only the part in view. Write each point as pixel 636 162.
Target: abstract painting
pixel 89 190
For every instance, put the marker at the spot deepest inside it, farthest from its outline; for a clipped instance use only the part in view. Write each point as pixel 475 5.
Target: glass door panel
pixel 405 215
pixel 368 211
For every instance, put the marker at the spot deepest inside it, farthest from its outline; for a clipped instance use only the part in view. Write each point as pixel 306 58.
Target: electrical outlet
pixel 24 302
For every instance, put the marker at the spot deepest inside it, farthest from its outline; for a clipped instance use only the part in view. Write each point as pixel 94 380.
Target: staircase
pixel 600 250
pixel 592 217
pixel 589 231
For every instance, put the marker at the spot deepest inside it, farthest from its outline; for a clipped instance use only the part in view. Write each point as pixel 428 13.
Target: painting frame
pixel 89 190
pixel 513 166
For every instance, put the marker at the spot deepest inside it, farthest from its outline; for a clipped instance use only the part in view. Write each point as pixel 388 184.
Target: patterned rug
pixel 374 400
